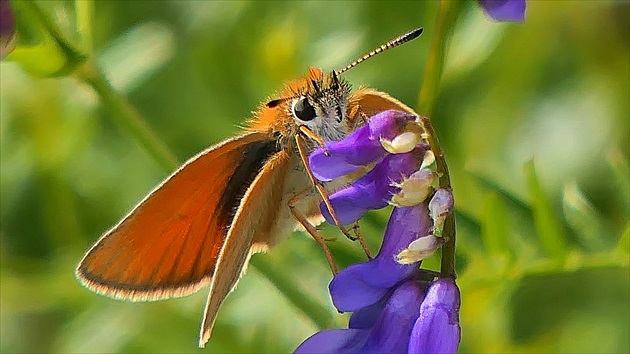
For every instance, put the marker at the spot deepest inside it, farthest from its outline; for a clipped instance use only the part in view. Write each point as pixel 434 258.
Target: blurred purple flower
pixel 504 10
pixel 395 308
pixel 7 28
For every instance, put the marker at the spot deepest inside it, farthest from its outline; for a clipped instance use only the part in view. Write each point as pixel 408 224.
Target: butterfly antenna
pixel 389 45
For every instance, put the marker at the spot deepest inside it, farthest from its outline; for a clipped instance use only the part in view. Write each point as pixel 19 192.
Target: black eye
pixel 303 110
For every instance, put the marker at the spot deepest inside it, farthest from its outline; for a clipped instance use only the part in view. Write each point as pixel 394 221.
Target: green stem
pixel 84 16
pixel 127 117
pixel 74 56
pixel 446 17
pixel 447 269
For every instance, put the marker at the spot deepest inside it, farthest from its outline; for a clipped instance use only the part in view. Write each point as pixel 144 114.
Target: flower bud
pixel 415 189
pixel 439 207
pixel 419 249
pixel 405 141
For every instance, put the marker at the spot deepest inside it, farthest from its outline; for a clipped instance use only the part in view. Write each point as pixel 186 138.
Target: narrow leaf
pixel 514 200
pixel 495 227
pixel 465 219
pixel 548 229
pixel 582 217
pixel 624 241
pixel 621 178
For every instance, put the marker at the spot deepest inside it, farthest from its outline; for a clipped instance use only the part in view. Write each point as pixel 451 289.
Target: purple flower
pixel 437 328
pixel 7 28
pixel 396 306
pixel 372 191
pixel 360 148
pixel 504 10
pixel 364 284
pixel 393 310
pixel 364 147
pixel 386 330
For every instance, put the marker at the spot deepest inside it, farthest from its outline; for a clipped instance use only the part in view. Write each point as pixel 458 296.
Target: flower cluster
pixel 397 307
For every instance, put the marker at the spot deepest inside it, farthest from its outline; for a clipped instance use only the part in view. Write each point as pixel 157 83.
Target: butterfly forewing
pixel 253 220
pixel 169 244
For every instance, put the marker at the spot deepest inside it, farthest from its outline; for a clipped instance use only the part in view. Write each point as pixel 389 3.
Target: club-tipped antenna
pixel 389 45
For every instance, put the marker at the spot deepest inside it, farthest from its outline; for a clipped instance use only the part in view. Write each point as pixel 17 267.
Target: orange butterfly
pixel 244 195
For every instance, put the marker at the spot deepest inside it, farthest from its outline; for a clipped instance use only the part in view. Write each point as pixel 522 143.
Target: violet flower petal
pixel 346 156
pixel 504 10
pixel 389 333
pixel 437 329
pixel 367 316
pixel 359 149
pixel 363 284
pixel 393 328
pixel 372 191
pixel 334 341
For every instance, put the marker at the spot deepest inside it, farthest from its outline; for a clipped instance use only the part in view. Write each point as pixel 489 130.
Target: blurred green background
pixel 534 119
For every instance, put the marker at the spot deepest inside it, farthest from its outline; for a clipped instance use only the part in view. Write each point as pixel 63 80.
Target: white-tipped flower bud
pixel 419 249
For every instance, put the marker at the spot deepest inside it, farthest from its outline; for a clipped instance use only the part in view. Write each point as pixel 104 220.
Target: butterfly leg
pixel 319 187
pixel 316 138
pixel 363 118
pixel 310 228
pixel 359 236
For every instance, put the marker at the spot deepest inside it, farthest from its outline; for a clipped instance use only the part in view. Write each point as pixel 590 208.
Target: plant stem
pixel 126 116
pixel 446 17
pixel 447 269
pixel 74 55
pixel 84 16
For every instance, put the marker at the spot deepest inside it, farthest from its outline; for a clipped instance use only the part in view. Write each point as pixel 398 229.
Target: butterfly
pixel 241 196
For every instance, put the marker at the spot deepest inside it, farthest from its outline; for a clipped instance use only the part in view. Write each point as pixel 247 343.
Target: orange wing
pixel 253 221
pixel 371 102
pixel 168 245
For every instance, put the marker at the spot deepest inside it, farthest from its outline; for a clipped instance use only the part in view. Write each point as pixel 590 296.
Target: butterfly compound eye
pixel 303 110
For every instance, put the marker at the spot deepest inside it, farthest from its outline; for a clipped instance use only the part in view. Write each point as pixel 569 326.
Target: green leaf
pixel 41 48
pixel 548 229
pixel 624 241
pixel 42 60
pixel 515 200
pixel 621 178
pixel 464 218
pixel 584 219
pixel 495 227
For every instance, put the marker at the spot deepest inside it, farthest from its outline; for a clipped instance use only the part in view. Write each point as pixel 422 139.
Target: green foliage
pixel 533 119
